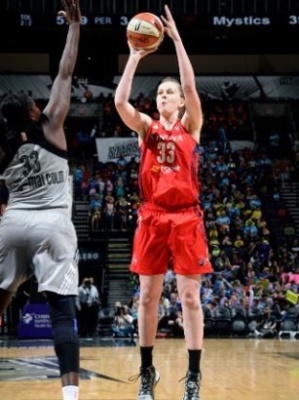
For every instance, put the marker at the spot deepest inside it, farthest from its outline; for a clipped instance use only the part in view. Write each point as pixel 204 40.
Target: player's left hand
pixel 140 53
pixel 71 10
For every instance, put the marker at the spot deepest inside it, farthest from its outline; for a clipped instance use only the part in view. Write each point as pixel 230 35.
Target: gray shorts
pixel 43 243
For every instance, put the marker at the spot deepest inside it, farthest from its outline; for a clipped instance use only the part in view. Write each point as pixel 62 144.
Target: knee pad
pixel 65 333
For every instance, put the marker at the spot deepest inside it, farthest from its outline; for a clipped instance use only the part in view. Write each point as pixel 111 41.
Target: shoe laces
pixel 191 390
pixel 191 386
pixel 147 381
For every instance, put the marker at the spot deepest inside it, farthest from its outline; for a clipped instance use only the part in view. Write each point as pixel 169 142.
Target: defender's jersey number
pixel 30 163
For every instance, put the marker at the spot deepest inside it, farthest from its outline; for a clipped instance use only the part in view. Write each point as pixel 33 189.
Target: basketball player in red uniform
pixel 170 221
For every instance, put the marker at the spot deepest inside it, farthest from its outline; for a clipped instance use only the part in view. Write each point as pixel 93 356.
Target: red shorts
pixel 162 236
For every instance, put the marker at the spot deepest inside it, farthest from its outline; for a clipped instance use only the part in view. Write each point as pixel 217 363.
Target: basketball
pixel 145 31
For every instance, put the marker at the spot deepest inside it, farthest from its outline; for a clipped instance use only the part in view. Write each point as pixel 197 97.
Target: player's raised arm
pixel 192 118
pixel 135 120
pixel 60 96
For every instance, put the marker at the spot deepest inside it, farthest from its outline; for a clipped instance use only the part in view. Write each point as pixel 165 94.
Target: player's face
pixel 169 98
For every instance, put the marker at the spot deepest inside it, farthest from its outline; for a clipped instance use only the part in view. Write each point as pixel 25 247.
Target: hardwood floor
pixel 233 369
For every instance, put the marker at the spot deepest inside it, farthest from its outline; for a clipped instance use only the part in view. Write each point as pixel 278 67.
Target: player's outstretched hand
pixel 71 10
pixel 170 25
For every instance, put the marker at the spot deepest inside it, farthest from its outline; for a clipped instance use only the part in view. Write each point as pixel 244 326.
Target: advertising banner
pixel 35 322
pixel 110 149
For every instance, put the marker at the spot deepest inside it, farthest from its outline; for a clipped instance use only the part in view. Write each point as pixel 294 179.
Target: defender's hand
pixel 71 11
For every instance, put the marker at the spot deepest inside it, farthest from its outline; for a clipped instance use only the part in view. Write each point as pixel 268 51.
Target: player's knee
pixel 190 299
pixel 65 335
pixel 63 318
pixel 147 300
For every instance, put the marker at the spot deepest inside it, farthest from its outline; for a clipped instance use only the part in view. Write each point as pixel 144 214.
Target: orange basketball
pixel 145 31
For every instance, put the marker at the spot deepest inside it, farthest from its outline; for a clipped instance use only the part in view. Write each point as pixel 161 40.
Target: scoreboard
pixel 204 33
pixel 51 20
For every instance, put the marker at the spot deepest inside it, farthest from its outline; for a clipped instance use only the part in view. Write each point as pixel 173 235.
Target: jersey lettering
pixel 34 182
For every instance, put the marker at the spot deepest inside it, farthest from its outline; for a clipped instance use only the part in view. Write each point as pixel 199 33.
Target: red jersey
pixel 168 172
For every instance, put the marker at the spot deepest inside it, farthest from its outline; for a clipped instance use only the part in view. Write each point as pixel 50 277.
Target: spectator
pixel 266 328
pixel 123 325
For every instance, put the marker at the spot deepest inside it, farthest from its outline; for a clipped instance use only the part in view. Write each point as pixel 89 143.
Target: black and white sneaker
pixel 149 377
pixel 192 386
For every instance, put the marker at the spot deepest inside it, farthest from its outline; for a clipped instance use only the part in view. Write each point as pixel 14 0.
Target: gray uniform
pixel 36 233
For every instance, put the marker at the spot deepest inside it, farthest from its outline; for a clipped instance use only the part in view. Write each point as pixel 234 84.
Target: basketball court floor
pixel 233 369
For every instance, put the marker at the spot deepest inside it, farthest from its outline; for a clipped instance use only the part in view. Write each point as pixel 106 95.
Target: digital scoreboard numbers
pixel 26 20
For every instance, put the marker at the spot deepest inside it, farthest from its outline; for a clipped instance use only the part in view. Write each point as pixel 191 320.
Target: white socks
pixel 70 392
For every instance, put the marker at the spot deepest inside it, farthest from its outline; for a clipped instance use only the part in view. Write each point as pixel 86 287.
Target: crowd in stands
pixel 231 115
pixel 112 192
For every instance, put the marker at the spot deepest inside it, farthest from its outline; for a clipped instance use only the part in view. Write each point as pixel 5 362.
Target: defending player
pixel 37 235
